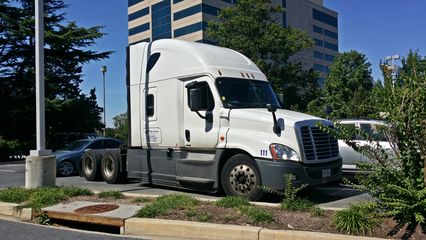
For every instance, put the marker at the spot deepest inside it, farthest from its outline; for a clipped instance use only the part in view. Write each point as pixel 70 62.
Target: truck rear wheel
pixel 240 176
pixel 110 168
pixel 90 166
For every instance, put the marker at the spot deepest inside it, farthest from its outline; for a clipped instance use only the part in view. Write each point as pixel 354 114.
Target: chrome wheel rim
pixel 108 167
pixel 88 166
pixel 242 179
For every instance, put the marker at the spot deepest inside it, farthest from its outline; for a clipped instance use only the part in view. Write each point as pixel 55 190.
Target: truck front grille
pixel 318 145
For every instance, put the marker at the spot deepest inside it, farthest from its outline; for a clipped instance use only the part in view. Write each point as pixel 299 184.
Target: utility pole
pixel 104 70
pixel 392 66
pixel 40 166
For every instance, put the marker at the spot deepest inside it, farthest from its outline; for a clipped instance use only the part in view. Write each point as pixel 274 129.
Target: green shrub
pixel 257 215
pixel 297 204
pixel 232 202
pixel 165 203
pixel 111 194
pixel 357 219
pixel 317 212
pixel 15 194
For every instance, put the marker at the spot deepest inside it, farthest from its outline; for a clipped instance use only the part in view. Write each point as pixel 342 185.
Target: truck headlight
pixel 281 152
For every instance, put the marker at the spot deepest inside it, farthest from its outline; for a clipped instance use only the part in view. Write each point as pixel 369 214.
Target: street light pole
pixel 40 166
pixel 104 70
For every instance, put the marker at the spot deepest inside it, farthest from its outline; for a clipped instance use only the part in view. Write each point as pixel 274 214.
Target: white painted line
pixel 1 170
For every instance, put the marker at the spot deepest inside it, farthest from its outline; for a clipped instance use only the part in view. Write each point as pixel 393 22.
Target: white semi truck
pixel 205 117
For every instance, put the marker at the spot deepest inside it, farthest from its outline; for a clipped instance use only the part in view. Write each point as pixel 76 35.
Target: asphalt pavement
pixel 12 229
pixel 329 196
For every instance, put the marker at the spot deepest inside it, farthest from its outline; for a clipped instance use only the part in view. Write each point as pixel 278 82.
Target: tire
pixel 240 176
pixel 110 168
pixel 90 168
pixel 66 168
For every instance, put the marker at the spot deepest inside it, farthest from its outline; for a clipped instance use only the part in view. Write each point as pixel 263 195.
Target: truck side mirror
pixel 195 99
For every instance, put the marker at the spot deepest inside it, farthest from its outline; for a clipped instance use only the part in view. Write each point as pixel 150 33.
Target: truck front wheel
pixel 240 176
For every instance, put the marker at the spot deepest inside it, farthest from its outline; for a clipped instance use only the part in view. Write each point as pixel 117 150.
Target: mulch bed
pixel 282 220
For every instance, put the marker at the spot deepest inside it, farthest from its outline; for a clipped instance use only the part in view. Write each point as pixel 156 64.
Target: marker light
pixel 281 152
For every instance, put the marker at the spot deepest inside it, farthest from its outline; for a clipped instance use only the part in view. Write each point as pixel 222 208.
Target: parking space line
pixel 3 170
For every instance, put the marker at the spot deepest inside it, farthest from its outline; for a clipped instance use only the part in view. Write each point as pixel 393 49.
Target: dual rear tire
pixel 98 165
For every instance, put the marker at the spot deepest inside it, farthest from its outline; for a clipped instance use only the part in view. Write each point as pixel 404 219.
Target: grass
pixel 357 219
pixel 141 200
pixel 195 215
pixel 41 197
pixel 111 195
pixel 297 204
pixel 232 202
pixel 257 215
pixel 166 203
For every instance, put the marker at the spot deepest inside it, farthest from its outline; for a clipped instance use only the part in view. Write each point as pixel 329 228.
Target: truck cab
pixel 205 117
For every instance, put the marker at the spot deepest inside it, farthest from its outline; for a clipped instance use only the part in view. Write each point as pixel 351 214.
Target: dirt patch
pixel 282 220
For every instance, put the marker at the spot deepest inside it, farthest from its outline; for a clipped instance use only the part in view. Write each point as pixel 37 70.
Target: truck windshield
pixel 245 93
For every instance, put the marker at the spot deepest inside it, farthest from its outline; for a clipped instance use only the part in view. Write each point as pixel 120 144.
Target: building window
pixel 321 81
pixel 177 1
pixel 190 29
pixel 139 29
pixel 318 68
pixel 138 14
pixel 284 3
pixel 210 9
pixel 133 2
pixel 330 34
pixel 318 42
pixel 284 19
pixel 187 12
pixel 318 55
pixel 331 46
pixel 317 29
pixel 324 17
pixel 161 20
pixel 329 58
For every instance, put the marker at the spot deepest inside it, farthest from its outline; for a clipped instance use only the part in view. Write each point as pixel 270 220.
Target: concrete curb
pixel 186 229
pixel 207 231
pixel 14 210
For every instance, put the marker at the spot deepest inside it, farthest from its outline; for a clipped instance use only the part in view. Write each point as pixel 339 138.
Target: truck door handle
pixel 187 135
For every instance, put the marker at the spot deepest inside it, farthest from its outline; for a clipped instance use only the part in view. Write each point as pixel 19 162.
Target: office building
pixel 187 19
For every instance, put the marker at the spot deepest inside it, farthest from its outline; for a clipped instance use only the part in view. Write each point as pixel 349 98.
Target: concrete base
pixel 40 171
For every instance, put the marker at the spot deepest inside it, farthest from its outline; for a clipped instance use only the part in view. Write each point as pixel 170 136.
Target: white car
pixel 349 156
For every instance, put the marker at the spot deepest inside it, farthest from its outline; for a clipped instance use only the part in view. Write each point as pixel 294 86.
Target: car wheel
pixel 66 168
pixel 90 166
pixel 110 168
pixel 240 176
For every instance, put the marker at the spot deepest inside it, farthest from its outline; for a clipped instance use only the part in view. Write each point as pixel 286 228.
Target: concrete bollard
pixel 40 171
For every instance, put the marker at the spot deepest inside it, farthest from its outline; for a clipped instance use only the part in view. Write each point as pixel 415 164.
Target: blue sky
pixel 376 28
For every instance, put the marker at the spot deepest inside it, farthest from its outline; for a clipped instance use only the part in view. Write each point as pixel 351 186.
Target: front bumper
pixel 272 173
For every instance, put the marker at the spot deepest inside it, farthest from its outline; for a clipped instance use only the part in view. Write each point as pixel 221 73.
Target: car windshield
pixel 246 93
pixel 76 145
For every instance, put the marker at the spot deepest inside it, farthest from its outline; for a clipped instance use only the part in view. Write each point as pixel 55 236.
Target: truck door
pixel 201 128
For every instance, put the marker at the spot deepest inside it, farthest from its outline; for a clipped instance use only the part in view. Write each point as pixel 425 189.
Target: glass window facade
pixel 329 57
pixel 190 29
pixel 330 34
pixel 139 29
pixel 138 14
pixel 284 19
pixel 187 12
pixel 133 2
pixel 331 46
pixel 161 20
pixel 177 1
pixel 317 29
pixel 210 9
pixel 318 55
pixel 324 17
pixel 318 42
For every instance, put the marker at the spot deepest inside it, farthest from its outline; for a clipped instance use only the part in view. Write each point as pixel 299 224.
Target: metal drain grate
pixel 100 208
